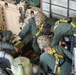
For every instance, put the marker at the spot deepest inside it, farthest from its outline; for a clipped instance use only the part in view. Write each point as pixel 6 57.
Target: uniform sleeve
pixel 25 29
pixel 67 53
pixel 7 35
pixel 35 2
pixel 57 37
pixel 4 45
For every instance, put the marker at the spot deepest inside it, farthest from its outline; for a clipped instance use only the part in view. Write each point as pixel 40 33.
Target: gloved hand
pixel 17 49
pixel 16 40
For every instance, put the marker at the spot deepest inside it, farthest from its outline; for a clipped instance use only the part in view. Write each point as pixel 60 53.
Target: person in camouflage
pixel 35 25
pixel 63 27
pixel 6 45
pixel 55 59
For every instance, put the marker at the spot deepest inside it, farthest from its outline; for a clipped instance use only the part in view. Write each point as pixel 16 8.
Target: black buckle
pixel 70 20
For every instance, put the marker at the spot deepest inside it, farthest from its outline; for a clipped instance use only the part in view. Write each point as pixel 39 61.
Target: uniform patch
pixel 27 22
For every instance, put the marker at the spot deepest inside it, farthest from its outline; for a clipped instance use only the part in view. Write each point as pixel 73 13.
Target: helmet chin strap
pixel 38 25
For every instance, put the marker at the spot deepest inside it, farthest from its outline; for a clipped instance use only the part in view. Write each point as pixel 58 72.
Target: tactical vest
pixel 57 56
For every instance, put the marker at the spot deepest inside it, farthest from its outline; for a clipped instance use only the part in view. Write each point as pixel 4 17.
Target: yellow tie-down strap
pixel 57 56
pixel 40 29
pixel 53 51
pixel 64 21
pixel 74 35
pixel 58 70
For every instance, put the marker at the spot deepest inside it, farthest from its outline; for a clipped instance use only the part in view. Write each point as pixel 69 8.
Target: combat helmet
pixel 43 41
pixel 40 18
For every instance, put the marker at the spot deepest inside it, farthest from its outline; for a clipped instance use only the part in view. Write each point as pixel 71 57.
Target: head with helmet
pixel 43 41
pixel 40 18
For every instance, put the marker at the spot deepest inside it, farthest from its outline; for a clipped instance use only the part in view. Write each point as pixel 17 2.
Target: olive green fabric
pixel 48 60
pixel 31 2
pixel 35 3
pixel 5 43
pixel 30 25
pixel 61 30
pixel 9 48
pixel 7 35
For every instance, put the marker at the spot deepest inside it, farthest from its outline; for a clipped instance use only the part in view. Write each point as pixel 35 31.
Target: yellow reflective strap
pixel 58 70
pixel 57 23
pixel 60 56
pixel 61 20
pixel 63 43
pixel 73 25
pixel 56 26
pixel 64 21
pixel 53 51
pixel 56 54
pixel 48 51
pixel 74 34
pixel 37 33
pixel 40 29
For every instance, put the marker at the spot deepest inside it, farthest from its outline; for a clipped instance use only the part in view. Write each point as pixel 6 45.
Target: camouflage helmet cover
pixel 43 41
pixel 40 18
